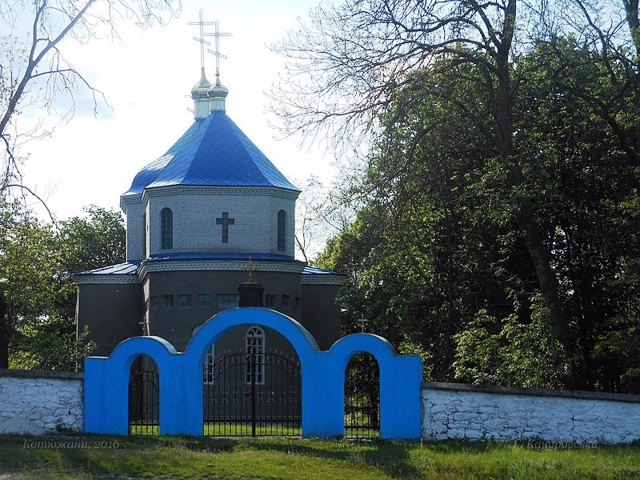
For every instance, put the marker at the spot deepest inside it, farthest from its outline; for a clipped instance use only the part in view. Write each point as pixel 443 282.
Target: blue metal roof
pixel 130 268
pixel 319 271
pixel 212 152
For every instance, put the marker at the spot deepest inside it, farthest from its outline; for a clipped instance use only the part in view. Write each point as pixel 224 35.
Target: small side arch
pixel 400 383
pixel 106 384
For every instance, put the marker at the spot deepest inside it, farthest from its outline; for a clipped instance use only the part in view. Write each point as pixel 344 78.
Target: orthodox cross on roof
pixel 225 221
pixel 250 269
pixel 217 34
pixel 201 23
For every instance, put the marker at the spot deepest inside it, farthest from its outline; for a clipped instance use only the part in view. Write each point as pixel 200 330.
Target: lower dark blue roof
pixel 128 268
pixel 131 268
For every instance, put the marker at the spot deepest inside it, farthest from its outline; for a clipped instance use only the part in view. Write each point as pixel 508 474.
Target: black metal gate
pixel 362 398
pixel 144 402
pixel 256 393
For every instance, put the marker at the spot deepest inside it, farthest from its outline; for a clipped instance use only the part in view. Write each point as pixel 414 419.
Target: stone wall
pixel 39 402
pixel 457 411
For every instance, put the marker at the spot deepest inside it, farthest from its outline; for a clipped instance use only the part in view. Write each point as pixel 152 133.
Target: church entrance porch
pixel 256 393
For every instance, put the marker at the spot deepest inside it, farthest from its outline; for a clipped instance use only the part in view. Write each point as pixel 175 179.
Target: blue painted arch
pixel 181 388
pixel 106 384
pixel 300 339
pixel 400 379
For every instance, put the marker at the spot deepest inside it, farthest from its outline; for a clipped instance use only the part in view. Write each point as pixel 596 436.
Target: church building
pixel 206 217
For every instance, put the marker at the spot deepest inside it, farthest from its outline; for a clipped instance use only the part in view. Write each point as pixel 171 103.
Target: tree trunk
pixel 631 9
pixel 525 216
pixel 546 276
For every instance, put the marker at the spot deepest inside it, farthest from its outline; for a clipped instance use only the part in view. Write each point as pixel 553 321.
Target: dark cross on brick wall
pixel 225 221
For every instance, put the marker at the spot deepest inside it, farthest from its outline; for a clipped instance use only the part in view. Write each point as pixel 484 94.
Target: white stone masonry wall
pixel 40 402
pixel 455 411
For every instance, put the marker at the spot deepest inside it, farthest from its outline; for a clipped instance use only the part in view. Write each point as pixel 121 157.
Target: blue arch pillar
pixel 174 408
pixel 322 411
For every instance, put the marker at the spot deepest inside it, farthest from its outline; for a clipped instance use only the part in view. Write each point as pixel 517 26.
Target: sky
pixel 147 77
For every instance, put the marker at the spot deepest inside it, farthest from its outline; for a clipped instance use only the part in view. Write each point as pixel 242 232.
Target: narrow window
pixel 270 301
pixel 254 342
pixel 286 301
pixel 168 301
pixel 282 230
pixel 144 235
pixel 204 300
pixel 153 303
pixel 166 229
pixel 184 301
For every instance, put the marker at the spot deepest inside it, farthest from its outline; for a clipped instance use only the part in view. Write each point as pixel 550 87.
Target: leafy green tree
pixel 520 354
pixel 38 264
pixel 457 97
pixel 28 261
pixel 438 254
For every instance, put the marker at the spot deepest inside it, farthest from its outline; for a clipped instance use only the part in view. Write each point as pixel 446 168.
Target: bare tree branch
pixel 33 70
pixel 52 217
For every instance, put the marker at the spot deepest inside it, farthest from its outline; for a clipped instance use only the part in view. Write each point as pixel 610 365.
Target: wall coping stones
pixel 4 372
pixel 534 392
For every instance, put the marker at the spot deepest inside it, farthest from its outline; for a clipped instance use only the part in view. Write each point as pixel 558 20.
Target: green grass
pixel 244 429
pixel 220 429
pixel 282 458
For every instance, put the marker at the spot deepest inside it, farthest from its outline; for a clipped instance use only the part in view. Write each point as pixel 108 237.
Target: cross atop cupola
pixel 216 53
pixel 208 98
pixel 218 93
